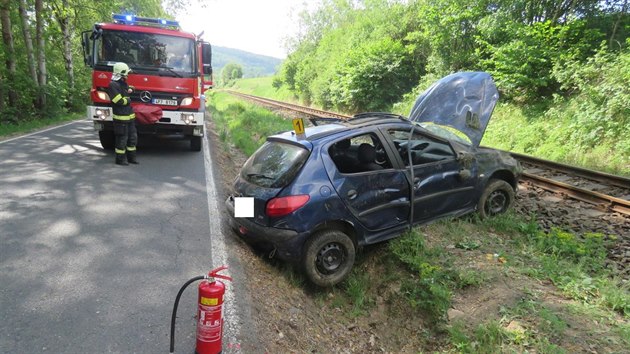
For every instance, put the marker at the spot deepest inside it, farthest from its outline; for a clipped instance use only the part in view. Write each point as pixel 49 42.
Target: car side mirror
pixel 465 159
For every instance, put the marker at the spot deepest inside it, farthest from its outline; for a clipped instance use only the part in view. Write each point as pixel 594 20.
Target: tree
pixel 7 40
pixel 63 16
pixel 231 72
pixel 28 41
pixel 41 53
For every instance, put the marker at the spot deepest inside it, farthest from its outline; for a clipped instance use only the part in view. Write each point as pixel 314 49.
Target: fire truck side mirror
pixel 206 54
pixel 87 48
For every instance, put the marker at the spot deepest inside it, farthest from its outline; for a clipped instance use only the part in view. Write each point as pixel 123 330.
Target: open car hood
pixel 463 101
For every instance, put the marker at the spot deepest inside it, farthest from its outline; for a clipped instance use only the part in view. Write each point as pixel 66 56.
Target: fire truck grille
pixel 160 98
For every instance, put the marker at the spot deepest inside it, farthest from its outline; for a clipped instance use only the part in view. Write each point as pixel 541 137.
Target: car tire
pixel 328 257
pixel 496 199
pixel 107 139
pixel 195 143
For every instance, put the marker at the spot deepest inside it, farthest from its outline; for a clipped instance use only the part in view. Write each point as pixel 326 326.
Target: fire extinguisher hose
pixel 179 294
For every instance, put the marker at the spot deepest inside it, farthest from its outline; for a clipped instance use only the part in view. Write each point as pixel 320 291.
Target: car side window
pixel 362 153
pixel 422 149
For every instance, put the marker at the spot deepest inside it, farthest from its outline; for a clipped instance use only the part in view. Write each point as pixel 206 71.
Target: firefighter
pixel 124 117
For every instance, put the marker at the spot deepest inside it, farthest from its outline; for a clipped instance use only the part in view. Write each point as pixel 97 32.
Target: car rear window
pixel 274 165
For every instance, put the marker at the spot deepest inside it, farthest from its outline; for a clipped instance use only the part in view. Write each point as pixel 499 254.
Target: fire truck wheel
pixel 107 139
pixel 195 143
pixel 328 257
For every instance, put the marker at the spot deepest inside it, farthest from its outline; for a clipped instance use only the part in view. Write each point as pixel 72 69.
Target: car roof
pixel 337 125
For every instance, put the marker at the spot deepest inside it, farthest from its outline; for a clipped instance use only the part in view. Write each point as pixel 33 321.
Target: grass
pixel 244 125
pixel 262 87
pixel 8 130
pixel 530 130
pixel 356 290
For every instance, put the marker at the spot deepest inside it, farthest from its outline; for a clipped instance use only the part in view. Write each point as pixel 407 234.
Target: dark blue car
pixel 346 184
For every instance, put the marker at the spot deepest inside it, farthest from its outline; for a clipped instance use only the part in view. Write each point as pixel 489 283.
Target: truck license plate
pixel 164 102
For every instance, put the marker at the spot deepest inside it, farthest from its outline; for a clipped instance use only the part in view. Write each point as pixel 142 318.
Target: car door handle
pixel 416 183
pixel 352 194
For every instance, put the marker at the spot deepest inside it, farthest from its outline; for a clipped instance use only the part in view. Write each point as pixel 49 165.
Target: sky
pixel 256 26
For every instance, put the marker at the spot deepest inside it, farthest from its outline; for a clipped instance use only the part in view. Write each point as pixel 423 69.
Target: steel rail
pixel 291 106
pixel 618 181
pixel 600 201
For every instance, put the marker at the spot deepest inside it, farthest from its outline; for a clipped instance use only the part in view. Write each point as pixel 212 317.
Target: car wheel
pixel 328 258
pixel 195 143
pixel 107 139
pixel 497 198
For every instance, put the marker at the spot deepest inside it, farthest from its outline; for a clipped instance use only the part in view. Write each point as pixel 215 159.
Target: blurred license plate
pixel 165 102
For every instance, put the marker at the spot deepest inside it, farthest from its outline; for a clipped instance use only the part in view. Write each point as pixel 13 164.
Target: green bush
pixel 372 77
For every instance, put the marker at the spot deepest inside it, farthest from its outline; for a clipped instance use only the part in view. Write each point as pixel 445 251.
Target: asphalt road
pixel 92 254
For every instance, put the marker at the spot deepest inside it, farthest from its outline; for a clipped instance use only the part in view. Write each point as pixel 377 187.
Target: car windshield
pixel 445 132
pixel 274 165
pixel 146 52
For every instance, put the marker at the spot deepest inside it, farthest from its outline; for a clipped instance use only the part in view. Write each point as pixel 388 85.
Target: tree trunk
pixel 41 52
pixel 623 11
pixel 67 50
pixel 7 40
pixel 62 14
pixel 28 40
pixel 1 98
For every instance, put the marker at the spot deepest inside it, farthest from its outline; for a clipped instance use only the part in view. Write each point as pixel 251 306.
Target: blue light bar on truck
pixel 144 21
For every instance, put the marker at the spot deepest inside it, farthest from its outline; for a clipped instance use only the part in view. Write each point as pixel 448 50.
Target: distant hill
pixel 254 65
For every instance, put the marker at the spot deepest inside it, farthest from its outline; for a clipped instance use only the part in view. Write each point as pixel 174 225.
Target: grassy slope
pixel 541 292
pixel 520 129
pixel 262 86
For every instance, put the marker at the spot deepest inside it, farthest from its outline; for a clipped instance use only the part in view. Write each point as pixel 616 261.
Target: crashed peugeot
pixel 350 183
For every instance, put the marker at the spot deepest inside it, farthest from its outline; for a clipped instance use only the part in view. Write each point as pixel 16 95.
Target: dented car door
pixel 377 197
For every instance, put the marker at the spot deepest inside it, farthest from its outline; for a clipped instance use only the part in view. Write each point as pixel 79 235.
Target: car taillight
pixel 286 205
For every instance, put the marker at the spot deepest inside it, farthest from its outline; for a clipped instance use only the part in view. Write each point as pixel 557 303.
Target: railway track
pixel 603 191
pixel 290 106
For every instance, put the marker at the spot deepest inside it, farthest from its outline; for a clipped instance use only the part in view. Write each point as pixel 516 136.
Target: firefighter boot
pixel 131 157
pixel 121 159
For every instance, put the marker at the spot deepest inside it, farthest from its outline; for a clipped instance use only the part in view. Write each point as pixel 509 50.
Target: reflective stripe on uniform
pixel 117 98
pixel 131 148
pixel 129 117
pixel 118 151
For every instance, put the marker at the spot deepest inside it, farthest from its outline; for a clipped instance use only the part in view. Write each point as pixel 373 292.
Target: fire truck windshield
pixel 147 52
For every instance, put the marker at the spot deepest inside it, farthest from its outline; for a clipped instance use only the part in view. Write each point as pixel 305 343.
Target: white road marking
pixel 233 321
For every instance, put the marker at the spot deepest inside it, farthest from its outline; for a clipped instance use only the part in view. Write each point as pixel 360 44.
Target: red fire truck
pixel 171 69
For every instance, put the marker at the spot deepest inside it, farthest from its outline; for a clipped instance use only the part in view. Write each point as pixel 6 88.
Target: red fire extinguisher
pixel 209 312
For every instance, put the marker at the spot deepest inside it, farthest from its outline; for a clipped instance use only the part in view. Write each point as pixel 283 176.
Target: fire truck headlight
pixel 102 113
pixel 102 95
pixel 187 101
pixel 188 118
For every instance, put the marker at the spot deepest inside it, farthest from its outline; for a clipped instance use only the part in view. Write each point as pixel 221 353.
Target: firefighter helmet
pixel 121 69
